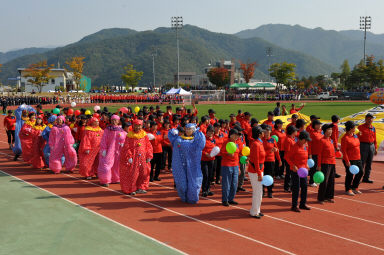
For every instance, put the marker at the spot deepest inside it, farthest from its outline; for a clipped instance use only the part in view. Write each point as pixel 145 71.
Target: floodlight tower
pixel 177 24
pixel 365 24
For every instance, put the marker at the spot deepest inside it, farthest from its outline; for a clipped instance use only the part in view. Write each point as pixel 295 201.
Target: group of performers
pixel 131 148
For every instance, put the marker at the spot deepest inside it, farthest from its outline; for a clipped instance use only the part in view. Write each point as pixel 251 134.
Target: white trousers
pixel 257 193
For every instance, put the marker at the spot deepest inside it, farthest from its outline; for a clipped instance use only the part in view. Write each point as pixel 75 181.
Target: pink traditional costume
pixel 89 149
pixel 61 142
pixel 135 161
pixel 109 156
pixel 38 144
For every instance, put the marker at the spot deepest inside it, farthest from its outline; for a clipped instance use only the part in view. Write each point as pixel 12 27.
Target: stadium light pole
pixel 365 24
pixel 177 24
pixel 269 55
pixel 154 54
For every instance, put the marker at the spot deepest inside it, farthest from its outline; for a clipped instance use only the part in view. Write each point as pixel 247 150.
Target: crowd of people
pixel 131 147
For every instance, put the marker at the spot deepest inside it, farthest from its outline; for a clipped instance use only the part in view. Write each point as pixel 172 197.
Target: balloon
pixel 70 112
pixel 96 115
pixel 246 151
pixel 88 112
pixel 231 147
pixel 267 180
pixel 150 136
pixel 338 154
pixel 310 163
pixel 96 108
pixel 75 145
pixel 243 160
pixel 137 109
pixel 354 169
pixel 318 177
pixel 302 172
pixel 77 112
pixel 73 104
pixel 56 111
pixel 275 137
pixel 214 151
pixel 123 110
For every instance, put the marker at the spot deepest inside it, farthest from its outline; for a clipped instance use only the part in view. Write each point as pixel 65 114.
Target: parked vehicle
pixel 326 96
pixel 356 96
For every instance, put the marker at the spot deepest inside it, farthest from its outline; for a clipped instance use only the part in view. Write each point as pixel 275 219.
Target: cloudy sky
pixel 38 23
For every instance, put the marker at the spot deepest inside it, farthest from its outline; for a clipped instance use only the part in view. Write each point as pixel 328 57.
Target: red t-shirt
pixel 10 122
pixel 227 159
pixel 297 156
pixel 326 152
pixel 350 147
pixel 209 144
pixel 257 157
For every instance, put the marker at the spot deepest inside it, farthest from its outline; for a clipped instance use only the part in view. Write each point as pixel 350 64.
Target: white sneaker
pixel 356 191
pixel 349 193
pixel 313 185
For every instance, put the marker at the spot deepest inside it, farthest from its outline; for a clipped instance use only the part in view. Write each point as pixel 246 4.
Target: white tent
pixel 179 91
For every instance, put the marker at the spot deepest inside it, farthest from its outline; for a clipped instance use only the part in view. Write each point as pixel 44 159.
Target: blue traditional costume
pixel 186 166
pixel 19 124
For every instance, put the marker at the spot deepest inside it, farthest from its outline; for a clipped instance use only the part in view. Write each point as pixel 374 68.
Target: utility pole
pixel 177 24
pixel 269 55
pixel 365 24
pixel 154 54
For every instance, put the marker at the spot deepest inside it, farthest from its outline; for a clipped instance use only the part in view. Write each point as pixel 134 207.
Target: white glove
pixel 148 160
pixel 214 151
pixel 175 131
pixel 86 152
pixel 194 129
pixel 75 129
pixel 104 153
pixel 151 137
pixel 130 161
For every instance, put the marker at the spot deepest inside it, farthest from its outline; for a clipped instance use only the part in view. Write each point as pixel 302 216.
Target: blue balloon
pixel 267 180
pixel 310 163
pixel 354 169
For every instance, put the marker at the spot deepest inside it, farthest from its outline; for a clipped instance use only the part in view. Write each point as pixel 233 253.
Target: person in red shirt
pixel 335 136
pixel 313 146
pixel 270 122
pixel 281 135
pixel 166 144
pixel 368 145
pixel 10 125
pixel 289 141
pixel 254 123
pixel 204 124
pixel 230 169
pixel 293 121
pixel 256 169
pixel 156 141
pixel 232 120
pixel 327 164
pixel 298 158
pixel 309 128
pixel 219 139
pixel 207 162
pixel 245 124
pixel 239 116
pixel 212 117
pixel 350 147
pixel 295 110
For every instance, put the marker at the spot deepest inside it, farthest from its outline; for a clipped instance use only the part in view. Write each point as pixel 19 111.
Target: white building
pixel 60 78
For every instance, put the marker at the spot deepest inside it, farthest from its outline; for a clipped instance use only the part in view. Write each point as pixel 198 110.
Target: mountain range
pixel 314 51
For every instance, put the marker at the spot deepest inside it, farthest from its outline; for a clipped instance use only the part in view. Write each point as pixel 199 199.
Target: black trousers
pixel 367 151
pixel 11 136
pixel 313 170
pixel 297 184
pixel 327 187
pixel 217 166
pixel 167 154
pixel 352 181
pixel 287 178
pixel 207 170
pixel 5 109
pixel 269 169
pixel 279 170
pixel 156 164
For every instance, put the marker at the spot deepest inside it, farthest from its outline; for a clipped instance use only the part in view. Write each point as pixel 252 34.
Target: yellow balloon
pixel 88 112
pixel 137 109
pixel 246 151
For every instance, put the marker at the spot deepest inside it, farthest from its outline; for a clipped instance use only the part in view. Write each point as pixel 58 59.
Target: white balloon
pixel 151 137
pixel 73 104
pixel 96 108
pixel 214 151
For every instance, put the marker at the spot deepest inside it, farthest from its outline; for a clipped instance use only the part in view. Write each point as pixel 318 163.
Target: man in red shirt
pixel 295 110
pixel 290 140
pixel 335 136
pixel 293 121
pixel 10 125
pixel 270 121
pixel 313 147
pixel 166 144
pixel 212 117
pixel 207 162
pixel 157 151
pixel 368 145
pixel 309 128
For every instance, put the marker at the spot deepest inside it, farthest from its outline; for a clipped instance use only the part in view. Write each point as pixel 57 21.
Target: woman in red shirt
pixel 280 133
pixel 290 140
pixel 350 147
pixel 256 169
pixel 167 148
pixel 316 136
pixel 326 164
pixel 156 142
pixel 297 158
pixel 219 139
pixel 10 125
pixel 207 161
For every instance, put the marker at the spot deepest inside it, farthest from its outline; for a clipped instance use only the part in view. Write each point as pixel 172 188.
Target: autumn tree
pixel 284 73
pixel 76 65
pixel 248 70
pixel 131 77
pixel 39 74
pixel 218 76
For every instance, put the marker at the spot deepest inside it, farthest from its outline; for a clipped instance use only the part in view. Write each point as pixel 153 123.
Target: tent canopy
pixel 180 91
pixel 253 85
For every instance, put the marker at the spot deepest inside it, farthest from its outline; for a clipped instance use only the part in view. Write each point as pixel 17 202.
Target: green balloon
pixel 275 137
pixel 75 145
pixel 56 111
pixel 243 160
pixel 318 177
pixel 231 147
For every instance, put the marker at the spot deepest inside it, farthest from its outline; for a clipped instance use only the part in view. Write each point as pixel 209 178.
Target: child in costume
pixel 21 114
pixel 26 137
pixel 38 144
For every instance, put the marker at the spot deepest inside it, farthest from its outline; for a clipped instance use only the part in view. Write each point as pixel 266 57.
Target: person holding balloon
pixel 314 146
pixel 207 160
pixel 256 169
pixel 230 151
pixel 327 165
pixel 290 140
pixel 297 159
pixel 350 147
pixel 279 135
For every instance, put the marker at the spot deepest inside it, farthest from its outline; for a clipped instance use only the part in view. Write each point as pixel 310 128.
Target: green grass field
pixel 322 109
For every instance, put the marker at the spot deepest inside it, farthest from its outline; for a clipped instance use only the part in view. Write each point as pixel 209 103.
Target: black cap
pixel 233 131
pixel 211 111
pixel 316 122
pixel 247 114
pixel 210 129
pixel 335 118
pixel 314 117
pixel 271 113
pixel 216 125
pixel 327 126
pixel 10 111
pixel 180 129
pixel 279 121
pixel 294 116
pixel 265 127
pixel 369 115
pixel 349 125
pixel 291 129
pixel 58 106
pixel 237 127
pixel 256 131
pixel 232 115
pixel 304 135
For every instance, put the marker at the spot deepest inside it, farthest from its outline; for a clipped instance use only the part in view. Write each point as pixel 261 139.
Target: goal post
pixel 207 96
